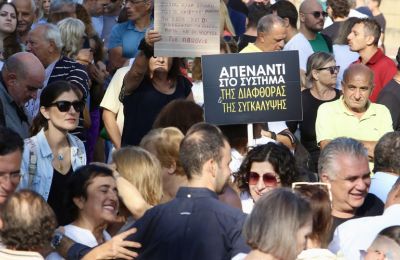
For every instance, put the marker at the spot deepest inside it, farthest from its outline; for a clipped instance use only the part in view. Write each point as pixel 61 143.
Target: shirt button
pixel 189 196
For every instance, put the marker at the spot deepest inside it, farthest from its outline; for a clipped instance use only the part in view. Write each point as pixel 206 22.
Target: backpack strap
pixel 32 161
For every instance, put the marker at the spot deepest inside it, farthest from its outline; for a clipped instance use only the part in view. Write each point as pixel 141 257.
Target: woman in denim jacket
pixel 51 155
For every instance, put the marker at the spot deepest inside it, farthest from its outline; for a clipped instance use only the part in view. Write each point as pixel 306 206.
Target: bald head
pixel 309 6
pixel 23 75
pixel 358 70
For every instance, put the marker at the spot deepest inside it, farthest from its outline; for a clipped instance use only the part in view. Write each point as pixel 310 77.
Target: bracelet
pixel 273 135
pixel 147 50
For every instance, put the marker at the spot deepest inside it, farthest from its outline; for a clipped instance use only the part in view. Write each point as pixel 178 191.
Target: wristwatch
pixel 56 239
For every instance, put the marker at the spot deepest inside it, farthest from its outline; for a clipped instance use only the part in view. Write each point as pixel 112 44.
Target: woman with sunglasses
pixel 52 155
pixel 321 80
pixel 266 167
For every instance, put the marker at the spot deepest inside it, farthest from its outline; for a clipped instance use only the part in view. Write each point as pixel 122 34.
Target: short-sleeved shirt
pixel 335 120
pixel 384 70
pixel 319 44
pixel 126 35
pixel 300 43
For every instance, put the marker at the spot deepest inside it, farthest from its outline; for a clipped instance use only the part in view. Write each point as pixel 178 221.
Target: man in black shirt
pixel 343 164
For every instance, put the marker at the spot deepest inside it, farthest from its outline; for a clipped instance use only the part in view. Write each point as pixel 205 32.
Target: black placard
pixel 252 87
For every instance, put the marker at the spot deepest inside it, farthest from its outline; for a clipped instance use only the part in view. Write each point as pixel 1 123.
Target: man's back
pixel 195 225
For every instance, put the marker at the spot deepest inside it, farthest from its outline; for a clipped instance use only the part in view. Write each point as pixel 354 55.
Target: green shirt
pixel 319 44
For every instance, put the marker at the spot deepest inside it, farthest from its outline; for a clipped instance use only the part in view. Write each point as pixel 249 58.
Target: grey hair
pixel 52 33
pixel 328 158
pixel 315 61
pixel 387 153
pixel 56 5
pixel 268 21
pixel 72 32
pixel 33 5
pixel 275 220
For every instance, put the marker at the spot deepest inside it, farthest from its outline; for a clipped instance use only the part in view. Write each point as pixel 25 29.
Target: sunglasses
pixel 332 69
pixel 268 178
pixel 318 14
pixel 65 106
pixel 321 185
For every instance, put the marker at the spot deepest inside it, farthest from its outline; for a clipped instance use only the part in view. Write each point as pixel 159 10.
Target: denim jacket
pixel 43 173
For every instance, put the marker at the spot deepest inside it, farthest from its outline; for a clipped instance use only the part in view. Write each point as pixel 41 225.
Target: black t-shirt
pixel 244 40
pixel 143 105
pixel 57 199
pixel 372 206
pixel 390 97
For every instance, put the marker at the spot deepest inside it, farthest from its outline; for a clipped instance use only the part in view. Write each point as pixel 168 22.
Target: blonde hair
pixel 142 169
pixel 166 143
pixel 224 20
pixel 72 32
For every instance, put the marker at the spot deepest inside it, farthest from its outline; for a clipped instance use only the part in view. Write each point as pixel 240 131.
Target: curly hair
pixel 28 222
pixel 278 155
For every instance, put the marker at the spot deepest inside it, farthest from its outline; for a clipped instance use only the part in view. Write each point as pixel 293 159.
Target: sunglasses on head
pixel 332 69
pixel 321 185
pixel 65 106
pixel 318 14
pixel 269 179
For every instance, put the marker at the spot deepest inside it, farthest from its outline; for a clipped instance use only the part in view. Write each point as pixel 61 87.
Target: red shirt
pixel 384 70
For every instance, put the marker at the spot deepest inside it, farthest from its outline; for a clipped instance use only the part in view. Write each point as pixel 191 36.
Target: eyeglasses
pixel 269 179
pixel 322 185
pixel 136 2
pixel 12 176
pixel 332 69
pixel 318 14
pixel 65 106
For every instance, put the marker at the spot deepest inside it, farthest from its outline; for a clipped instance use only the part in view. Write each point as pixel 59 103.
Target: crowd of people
pixel 104 152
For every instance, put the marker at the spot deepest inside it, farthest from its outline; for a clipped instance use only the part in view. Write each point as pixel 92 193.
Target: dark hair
pixel 371 27
pixel 256 11
pixel 345 30
pixel 392 232
pixel 50 93
pixel 179 113
pixel 83 15
pixel 10 141
pixel 236 135
pixel 340 8
pixel 78 183
pixel 321 210
pixel 398 59
pixel 285 9
pixel 278 155
pixel 386 153
pixel 11 44
pixel 202 143
pixel 28 222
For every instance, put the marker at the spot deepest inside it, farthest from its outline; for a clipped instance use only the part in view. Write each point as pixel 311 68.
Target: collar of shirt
pixel 374 59
pixel 371 111
pixel 189 192
pixel 131 26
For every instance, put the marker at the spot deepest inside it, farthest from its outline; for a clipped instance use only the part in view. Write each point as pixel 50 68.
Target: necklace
pixel 60 157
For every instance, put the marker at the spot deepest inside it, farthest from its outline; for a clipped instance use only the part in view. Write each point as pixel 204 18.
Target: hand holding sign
pixel 151 37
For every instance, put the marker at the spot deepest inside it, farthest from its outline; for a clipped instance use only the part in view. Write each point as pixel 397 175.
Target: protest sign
pixel 189 28
pixel 251 87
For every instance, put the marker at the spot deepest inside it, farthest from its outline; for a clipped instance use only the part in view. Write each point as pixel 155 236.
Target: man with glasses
pixel 11 147
pixel 354 115
pixel 21 78
pixel 309 39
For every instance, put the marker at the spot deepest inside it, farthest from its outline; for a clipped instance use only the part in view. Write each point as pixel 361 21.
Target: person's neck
pixel 339 19
pixel 322 92
pixel 143 22
pixel 96 229
pixel 310 35
pixel 200 182
pixel 171 184
pixel 23 37
pixel 376 11
pixel 344 214
pixel 256 254
pixel 56 138
pixel 259 45
pixel 51 58
pixel 251 31
pixel 367 53
pixel 290 32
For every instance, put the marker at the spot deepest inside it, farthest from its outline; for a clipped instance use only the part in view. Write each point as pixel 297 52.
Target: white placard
pixel 189 28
